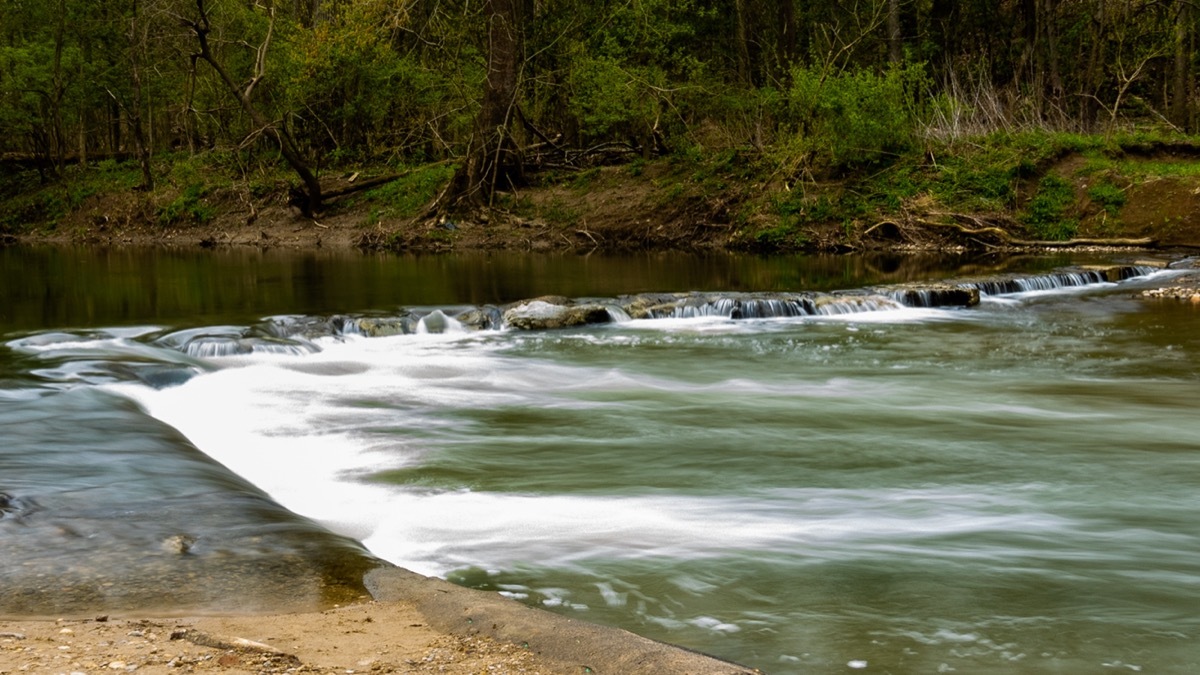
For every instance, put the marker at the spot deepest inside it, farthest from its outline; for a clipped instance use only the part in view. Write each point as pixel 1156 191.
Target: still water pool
pixel 1009 487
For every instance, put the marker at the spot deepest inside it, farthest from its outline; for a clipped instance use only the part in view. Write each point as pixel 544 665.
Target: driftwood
pixel 983 228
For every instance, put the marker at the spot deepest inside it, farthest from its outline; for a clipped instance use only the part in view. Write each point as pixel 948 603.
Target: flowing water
pixel 1007 487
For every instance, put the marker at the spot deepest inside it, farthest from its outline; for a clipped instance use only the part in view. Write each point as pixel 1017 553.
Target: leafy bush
pixel 853 118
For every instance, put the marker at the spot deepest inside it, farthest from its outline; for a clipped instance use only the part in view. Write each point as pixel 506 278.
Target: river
pixel 1006 487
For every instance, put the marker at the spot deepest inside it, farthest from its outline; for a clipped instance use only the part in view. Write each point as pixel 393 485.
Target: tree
pixel 308 198
pixel 1182 81
pixel 493 160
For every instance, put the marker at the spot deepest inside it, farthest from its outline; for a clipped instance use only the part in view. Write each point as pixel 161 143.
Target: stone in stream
pixel 481 318
pixel 933 295
pixel 15 507
pixel 540 314
pixel 380 326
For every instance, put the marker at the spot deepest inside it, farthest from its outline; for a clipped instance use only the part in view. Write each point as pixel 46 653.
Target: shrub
pixel 853 118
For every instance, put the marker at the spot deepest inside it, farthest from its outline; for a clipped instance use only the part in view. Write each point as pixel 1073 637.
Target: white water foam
pixel 308 429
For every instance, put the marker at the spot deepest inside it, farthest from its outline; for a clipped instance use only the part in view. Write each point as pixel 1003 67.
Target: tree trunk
pixel 1048 25
pixel 494 160
pixel 137 42
pixel 742 42
pixel 83 139
pixel 787 47
pixel 1027 63
pixel 1181 87
pixel 1095 67
pixel 895 47
pixel 57 141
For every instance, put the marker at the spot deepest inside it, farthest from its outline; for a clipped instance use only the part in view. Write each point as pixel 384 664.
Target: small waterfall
pixel 935 296
pixel 617 313
pixel 213 347
pixel 293 334
pixel 1044 282
pixel 437 322
pixel 290 346
pixel 1131 272
pixel 772 307
pixel 855 304
pixel 694 308
pixel 1071 279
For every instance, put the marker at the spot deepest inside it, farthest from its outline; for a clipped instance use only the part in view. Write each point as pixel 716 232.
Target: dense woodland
pixel 498 89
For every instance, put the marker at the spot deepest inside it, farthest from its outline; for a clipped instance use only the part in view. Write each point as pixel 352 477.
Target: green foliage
pixel 188 207
pixel 854 118
pixel 584 179
pixel 1046 216
pixel 362 99
pixel 1108 196
pixel 780 237
pixel 807 93
pixel 407 195
pixel 27 204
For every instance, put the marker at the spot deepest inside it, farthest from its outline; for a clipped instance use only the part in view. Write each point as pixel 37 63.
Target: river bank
pixel 414 625
pixel 1002 192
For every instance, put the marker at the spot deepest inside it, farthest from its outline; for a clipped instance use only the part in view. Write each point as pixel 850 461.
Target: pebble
pixel 1182 293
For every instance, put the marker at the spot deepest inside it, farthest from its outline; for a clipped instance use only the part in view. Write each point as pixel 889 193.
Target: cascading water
pixel 895 478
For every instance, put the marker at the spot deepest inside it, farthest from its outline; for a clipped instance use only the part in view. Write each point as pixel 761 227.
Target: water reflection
pixel 51 286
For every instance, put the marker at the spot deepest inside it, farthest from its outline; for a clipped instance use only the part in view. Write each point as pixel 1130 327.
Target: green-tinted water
pixel 1002 488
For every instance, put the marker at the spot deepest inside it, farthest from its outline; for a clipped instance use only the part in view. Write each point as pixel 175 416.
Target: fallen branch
pixel 376 182
pixel 1007 238
pixel 994 231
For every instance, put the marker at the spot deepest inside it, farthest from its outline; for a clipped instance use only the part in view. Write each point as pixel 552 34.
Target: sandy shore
pixel 368 638
pixel 415 624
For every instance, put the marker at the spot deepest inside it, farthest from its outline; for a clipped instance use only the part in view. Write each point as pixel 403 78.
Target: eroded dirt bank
pixel 1147 197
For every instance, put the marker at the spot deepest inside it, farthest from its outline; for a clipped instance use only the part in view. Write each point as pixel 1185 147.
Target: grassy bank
pixel 991 190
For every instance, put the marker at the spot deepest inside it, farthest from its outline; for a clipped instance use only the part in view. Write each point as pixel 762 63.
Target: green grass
pixel 1046 217
pixel 1157 168
pixel 406 196
pixel 27 204
pixel 188 207
pixel 1107 196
